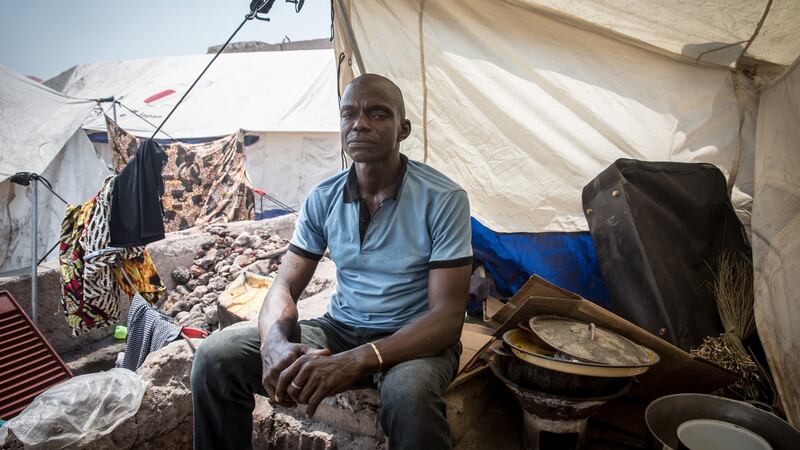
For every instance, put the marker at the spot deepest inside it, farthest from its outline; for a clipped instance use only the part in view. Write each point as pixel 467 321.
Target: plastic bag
pixel 87 406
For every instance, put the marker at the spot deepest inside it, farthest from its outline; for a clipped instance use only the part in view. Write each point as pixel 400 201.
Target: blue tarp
pixel 102 137
pixel 565 259
pixel 270 213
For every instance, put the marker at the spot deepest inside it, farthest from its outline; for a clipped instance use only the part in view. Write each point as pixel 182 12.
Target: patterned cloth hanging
pixel 203 183
pixel 70 258
pixel 89 266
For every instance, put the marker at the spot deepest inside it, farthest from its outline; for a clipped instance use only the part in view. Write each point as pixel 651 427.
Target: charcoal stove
pixel 553 421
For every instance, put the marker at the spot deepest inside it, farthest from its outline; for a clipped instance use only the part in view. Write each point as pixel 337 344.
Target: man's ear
pixel 405 130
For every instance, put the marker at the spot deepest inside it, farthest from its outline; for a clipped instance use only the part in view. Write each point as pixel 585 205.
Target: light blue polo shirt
pixel 382 262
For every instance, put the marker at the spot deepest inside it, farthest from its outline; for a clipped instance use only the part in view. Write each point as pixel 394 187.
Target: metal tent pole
pixel 344 19
pixel 34 247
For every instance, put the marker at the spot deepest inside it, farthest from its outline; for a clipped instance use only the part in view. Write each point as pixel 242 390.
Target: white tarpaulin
pixel 287 100
pixel 714 32
pixel 776 236
pixel 76 174
pixel 40 131
pixel 292 91
pixel 523 110
pixel 35 123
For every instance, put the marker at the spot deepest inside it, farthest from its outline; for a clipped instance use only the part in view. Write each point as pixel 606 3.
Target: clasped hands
pixel 298 374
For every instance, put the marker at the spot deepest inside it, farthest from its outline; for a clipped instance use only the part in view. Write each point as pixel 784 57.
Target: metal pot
pixel 560 383
pixel 666 414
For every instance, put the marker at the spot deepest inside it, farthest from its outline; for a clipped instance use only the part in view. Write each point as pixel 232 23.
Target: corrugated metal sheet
pixel 28 364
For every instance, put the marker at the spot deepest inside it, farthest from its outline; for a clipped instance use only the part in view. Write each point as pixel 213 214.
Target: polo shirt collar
pixel 353 194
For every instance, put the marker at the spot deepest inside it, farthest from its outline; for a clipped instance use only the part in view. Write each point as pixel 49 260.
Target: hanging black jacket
pixel 136 211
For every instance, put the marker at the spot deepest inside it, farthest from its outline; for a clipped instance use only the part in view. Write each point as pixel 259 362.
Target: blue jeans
pixel 226 373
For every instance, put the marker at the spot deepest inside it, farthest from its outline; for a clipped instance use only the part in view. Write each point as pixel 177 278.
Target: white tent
pixel 40 132
pixel 523 102
pixel 287 100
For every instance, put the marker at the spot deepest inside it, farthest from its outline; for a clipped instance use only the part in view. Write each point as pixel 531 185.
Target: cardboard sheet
pixel 475 340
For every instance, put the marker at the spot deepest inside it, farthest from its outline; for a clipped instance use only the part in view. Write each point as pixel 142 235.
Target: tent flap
pixel 776 237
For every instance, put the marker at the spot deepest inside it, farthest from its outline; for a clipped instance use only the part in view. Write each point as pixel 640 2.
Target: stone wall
pixel 178 248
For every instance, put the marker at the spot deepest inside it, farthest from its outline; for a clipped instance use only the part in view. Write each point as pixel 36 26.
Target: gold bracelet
pixel 378 354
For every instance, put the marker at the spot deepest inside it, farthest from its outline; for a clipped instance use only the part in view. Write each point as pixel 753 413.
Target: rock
pixel 199 291
pixel 218 230
pixel 314 306
pixel 197 270
pixel 194 316
pixel 203 279
pixel 317 285
pixel 243 260
pixel 167 403
pixel 272 253
pixel 211 315
pixel 182 290
pixel 209 298
pixel 196 310
pixel 247 240
pixel 217 283
pixel 248 251
pixel 228 241
pixel 208 244
pixel 207 261
pixel 260 267
pixel 181 275
pixel 192 284
pixel 164 418
pixel 172 298
pixel 178 307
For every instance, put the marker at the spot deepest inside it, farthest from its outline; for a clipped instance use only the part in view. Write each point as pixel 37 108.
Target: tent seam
pixel 424 77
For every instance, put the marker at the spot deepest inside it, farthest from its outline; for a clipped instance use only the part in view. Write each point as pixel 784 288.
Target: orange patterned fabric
pixel 80 314
pixel 203 183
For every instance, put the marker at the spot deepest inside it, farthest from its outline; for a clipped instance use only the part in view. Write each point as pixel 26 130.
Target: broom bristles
pixel 733 290
pixel 734 293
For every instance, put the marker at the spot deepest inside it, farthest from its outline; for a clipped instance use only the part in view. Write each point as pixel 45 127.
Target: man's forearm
pixel 278 315
pixel 429 335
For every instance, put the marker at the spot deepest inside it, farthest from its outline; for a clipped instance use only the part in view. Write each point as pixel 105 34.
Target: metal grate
pixel 28 364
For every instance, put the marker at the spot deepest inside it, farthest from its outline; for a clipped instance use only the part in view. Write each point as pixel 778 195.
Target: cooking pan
pixel 664 415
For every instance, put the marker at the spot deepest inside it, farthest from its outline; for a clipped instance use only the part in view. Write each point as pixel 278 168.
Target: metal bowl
pixel 666 414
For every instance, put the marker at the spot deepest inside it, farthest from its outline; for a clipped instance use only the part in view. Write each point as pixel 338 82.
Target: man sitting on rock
pixel 399 234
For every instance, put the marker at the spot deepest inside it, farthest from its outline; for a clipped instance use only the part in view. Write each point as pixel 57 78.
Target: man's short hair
pixel 390 87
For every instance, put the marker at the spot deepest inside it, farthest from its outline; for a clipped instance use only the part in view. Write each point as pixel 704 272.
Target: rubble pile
pixel 218 261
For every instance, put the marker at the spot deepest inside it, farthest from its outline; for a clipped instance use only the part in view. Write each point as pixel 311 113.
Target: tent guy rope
pixel 263 7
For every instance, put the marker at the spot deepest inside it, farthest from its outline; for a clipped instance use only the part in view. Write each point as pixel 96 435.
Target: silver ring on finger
pixel 296 386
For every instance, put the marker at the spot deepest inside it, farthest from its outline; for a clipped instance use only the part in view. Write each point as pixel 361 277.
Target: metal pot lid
pixel 588 342
pixel 521 345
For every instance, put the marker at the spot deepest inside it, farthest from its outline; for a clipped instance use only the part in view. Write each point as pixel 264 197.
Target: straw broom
pixel 733 290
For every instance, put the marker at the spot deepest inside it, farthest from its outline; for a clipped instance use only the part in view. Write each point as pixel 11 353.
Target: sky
pixel 45 37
